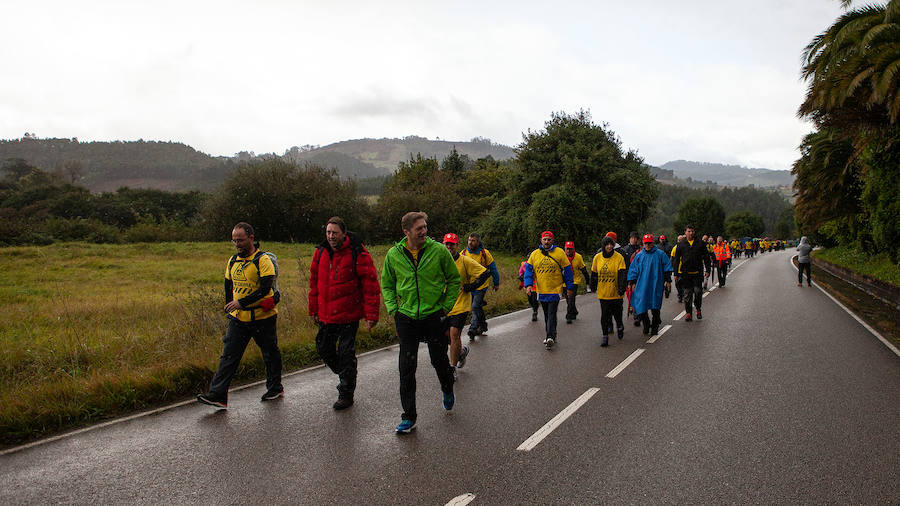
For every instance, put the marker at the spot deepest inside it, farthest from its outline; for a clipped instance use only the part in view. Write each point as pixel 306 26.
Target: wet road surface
pixel 776 396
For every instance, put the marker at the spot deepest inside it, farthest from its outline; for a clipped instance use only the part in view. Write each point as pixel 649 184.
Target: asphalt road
pixel 776 396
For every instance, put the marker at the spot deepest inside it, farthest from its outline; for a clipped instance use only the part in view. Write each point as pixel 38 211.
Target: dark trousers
pixel 693 291
pixel 723 271
pixel 411 332
pixel 533 302
pixel 645 319
pixel 804 267
pixel 237 336
pixel 679 288
pixel 610 309
pixel 571 310
pixel 336 344
pixel 479 322
pixel 550 308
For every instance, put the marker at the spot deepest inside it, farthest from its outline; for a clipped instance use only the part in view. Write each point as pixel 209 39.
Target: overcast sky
pixel 714 81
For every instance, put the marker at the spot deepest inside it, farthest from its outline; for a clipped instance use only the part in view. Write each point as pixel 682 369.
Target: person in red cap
pixel 548 269
pixel 650 274
pixel 343 289
pixel 471 276
pixel 580 277
pixel 664 245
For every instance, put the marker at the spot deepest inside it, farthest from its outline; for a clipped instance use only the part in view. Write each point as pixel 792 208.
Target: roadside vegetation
pixel 878 266
pixel 94 331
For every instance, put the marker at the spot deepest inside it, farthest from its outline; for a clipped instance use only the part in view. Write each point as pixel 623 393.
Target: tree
pixel 745 224
pixel 786 226
pixel 283 201
pixel 705 214
pixel 571 177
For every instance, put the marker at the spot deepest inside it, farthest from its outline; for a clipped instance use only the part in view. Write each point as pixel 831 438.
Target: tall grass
pixel 94 331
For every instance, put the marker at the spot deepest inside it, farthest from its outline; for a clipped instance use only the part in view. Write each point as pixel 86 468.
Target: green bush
pixel 86 230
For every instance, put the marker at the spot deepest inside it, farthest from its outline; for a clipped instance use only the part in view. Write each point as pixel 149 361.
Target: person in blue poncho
pixel 649 273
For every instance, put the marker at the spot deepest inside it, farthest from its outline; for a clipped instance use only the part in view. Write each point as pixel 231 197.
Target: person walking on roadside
pixel 692 265
pixel 579 276
pixel 722 255
pixel 250 305
pixel 608 276
pixel 650 274
pixel 548 270
pixel 804 262
pixel 471 275
pixel 419 283
pixel 343 289
pixel 480 254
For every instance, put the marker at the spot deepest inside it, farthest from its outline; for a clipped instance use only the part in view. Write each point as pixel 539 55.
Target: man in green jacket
pixel 419 282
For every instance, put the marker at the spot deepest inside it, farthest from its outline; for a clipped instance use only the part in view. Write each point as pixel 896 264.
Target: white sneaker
pixel 550 342
pixel 462 357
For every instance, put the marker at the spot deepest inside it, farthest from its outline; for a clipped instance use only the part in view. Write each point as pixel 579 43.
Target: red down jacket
pixel 340 292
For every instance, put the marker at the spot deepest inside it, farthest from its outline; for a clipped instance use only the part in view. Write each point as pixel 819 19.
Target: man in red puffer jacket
pixel 343 289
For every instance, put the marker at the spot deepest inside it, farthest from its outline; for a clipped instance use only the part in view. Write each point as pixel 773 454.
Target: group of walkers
pixel 430 288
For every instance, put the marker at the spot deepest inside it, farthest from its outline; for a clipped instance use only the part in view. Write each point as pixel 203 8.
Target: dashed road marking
pixel 550 426
pixel 461 500
pixel 625 363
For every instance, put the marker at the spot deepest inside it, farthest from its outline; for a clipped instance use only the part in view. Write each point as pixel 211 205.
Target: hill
pixel 173 166
pixel 364 158
pixel 107 166
pixel 729 175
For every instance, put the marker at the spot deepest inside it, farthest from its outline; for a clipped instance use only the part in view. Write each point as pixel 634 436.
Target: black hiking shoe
pixel 215 402
pixel 342 403
pixel 272 394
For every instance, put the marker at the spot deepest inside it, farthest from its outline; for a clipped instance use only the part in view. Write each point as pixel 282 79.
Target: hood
pixel 804 240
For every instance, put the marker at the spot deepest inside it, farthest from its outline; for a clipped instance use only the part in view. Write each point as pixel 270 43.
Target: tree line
pixel 572 176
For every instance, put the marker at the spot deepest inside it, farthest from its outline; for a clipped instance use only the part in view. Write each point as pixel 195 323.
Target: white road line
pixel 550 426
pixel 713 288
pixel 705 294
pixel 657 336
pixel 625 363
pixel 680 316
pixel 461 500
pixel 857 318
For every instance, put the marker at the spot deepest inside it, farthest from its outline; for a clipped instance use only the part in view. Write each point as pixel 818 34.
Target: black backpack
pixel 276 294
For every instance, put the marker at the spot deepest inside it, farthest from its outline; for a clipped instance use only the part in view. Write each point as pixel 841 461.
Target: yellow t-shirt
pixel 469 270
pixel 484 258
pixel 607 270
pixel 245 280
pixel 548 276
pixel 577 264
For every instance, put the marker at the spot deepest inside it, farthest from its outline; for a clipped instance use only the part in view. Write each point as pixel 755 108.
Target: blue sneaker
pixel 449 399
pixel 406 426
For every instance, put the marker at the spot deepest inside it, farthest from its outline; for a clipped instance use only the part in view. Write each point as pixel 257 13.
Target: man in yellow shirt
pixel 249 297
pixel 546 272
pixel 471 276
pixel 580 276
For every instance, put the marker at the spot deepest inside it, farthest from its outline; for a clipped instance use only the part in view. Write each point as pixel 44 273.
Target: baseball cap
pixel 451 238
pixel 662 238
pixel 648 238
pixel 546 233
pixel 570 244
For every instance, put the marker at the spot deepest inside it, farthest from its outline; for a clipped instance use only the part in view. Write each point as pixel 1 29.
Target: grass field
pixel 95 331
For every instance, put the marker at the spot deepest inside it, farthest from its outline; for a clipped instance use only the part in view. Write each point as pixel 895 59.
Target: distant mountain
pixel 729 175
pixel 363 158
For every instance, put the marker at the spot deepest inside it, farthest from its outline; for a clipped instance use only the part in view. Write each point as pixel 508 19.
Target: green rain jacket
pixel 419 290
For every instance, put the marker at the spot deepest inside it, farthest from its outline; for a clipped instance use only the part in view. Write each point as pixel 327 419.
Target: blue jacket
pixel 650 269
